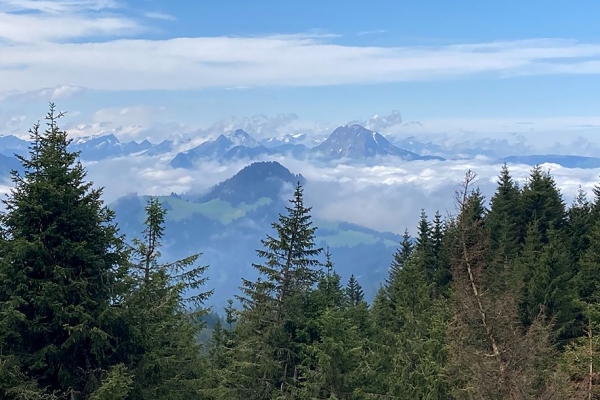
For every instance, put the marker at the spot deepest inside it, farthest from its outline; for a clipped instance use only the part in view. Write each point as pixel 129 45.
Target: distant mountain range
pixel 351 143
pixel 227 223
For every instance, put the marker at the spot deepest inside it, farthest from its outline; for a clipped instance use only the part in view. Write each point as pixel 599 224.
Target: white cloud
pixel 288 60
pixel 129 115
pixel 385 197
pixel 159 15
pixel 56 21
pixel 59 92
pixel 56 6
pixel 373 32
pixel 259 126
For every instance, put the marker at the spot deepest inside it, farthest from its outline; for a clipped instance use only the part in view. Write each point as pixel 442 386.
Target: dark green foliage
pixel 418 364
pixel 579 223
pixel 498 304
pixel 542 202
pixel 354 292
pixel 289 258
pixel 271 326
pixel 60 277
pixel 400 258
pixel 166 359
pixel 505 218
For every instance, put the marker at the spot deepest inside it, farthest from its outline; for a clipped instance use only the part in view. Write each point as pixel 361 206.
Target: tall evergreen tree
pixel 268 355
pixel 443 275
pixel 424 251
pixel 579 223
pixel 419 353
pixel 354 292
pixel 400 258
pixel 504 219
pixel 542 202
pixel 60 277
pixel 168 362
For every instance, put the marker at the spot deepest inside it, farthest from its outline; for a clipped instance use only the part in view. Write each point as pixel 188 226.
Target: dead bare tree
pixel 493 357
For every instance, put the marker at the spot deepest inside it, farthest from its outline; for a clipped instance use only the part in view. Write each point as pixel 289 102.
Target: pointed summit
pixel 240 137
pixel 356 141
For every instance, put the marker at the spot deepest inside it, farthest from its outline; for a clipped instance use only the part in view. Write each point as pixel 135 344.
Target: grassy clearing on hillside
pixel 215 209
pixel 352 238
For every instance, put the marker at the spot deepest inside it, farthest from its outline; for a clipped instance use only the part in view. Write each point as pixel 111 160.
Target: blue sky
pixel 143 62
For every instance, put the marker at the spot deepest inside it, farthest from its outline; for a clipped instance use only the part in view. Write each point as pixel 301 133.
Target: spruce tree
pixel 504 219
pixel 329 292
pixel 443 275
pixel 419 356
pixel 354 292
pixel 400 258
pixel 579 223
pixel 328 361
pixel 63 262
pixel 542 201
pixel 269 350
pixel 167 363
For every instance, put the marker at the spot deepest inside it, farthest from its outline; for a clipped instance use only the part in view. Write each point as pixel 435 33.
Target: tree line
pixel 498 300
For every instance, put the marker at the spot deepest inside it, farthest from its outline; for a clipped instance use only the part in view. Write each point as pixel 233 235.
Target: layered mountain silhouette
pixel 350 141
pixel 227 224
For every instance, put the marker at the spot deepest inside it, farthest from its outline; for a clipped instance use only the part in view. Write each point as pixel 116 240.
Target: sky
pixel 466 65
pixel 456 70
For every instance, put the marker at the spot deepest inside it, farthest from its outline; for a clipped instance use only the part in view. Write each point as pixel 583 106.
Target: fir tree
pixel 290 258
pixel 440 255
pixel 401 256
pixel 329 291
pixel 504 219
pixel 419 357
pixel 268 355
pixel 168 362
pixel 60 277
pixel 579 223
pixel 354 292
pixel 542 201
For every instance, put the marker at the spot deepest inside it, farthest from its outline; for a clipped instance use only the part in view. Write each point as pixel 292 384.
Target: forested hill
pixel 491 303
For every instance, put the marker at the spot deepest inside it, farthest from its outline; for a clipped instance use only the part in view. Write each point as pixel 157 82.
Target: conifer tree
pixel 579 223
pixel 424 254
pixel 267 354
pixel 63 262
pixel 424 243
pixel 222 348
pixel 329 292
pixel 354 292
pixel 443 275
pixel 329 362
pixel 504 219
pixel 419 352
pixel 542 201
pixel 168 362
pixel 400 258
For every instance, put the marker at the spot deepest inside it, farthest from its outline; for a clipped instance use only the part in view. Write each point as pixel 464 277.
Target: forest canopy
pixel 498 300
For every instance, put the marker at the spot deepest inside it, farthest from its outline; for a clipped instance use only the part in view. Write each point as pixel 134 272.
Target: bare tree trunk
pixel 470 176
pixel 591 354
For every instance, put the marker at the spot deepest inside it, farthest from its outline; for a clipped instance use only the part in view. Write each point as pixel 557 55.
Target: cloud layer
pixel 94 44
pixel 386 197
